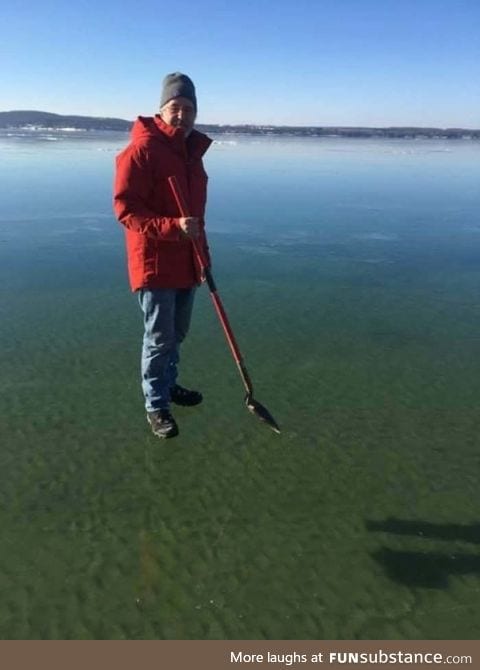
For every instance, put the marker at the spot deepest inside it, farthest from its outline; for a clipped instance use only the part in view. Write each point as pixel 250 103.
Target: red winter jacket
pixel 159 254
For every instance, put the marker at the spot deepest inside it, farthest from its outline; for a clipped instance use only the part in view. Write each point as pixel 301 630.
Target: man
pixel 161 263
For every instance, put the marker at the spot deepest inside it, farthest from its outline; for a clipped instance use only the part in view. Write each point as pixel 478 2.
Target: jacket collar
pixel 197 143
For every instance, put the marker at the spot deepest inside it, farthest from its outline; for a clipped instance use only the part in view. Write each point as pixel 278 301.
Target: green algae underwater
pixel 359 322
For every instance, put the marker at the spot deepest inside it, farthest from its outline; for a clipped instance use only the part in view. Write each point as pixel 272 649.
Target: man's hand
pixel 190 226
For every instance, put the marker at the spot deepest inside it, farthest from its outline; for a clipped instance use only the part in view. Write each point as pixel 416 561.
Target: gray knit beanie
pixel 178 85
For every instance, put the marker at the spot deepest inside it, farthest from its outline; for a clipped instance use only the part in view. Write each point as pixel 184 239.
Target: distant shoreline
pixel 46 121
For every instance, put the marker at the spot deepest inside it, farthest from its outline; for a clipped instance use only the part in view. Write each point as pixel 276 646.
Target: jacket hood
pixel 154 127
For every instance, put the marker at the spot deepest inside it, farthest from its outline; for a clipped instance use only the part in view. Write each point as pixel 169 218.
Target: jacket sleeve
pixel 133 184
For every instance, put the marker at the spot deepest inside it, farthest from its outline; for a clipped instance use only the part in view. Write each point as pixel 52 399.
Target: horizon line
pixel 252 125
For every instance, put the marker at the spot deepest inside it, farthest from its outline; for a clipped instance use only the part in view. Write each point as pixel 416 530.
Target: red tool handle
pixel 183 208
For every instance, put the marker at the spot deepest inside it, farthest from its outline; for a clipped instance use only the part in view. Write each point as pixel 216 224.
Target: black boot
pixel 185 397
pixel 163 424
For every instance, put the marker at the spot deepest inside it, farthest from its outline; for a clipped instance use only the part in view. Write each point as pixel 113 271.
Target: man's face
pixel 180 113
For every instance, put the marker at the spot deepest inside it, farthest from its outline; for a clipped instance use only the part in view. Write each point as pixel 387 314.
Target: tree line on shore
pixel 40 120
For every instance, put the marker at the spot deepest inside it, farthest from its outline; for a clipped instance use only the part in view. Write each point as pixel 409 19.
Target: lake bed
pixel 350 270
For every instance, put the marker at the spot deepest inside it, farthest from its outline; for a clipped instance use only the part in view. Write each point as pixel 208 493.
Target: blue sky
pixel 297 62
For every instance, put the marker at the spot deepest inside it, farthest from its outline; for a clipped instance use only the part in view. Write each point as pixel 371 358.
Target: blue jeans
pixel 167 314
